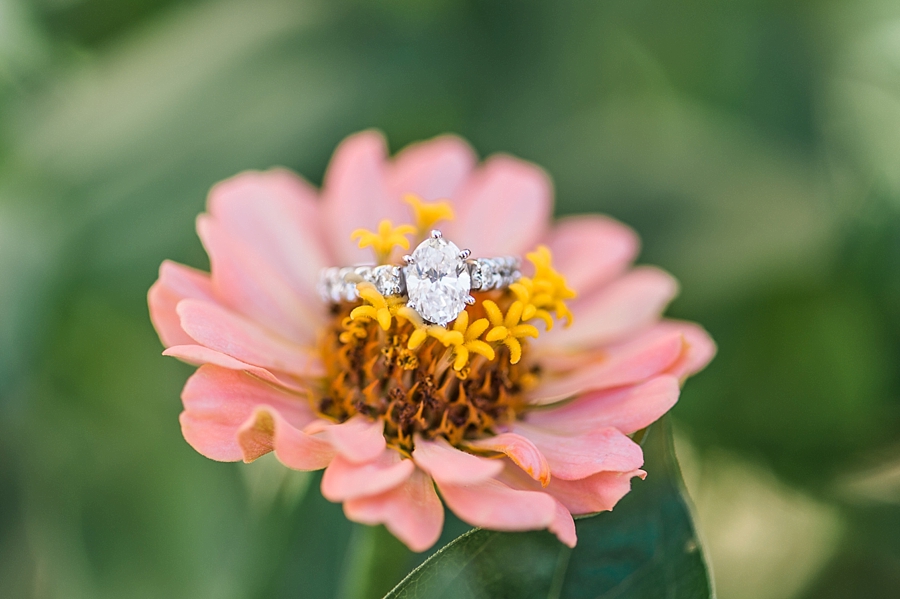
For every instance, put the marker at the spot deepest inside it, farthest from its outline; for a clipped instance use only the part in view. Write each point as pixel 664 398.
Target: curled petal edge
pixel 266 430
pixel 521 451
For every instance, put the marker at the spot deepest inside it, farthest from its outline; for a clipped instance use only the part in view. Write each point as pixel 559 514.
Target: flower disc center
pixel 371 371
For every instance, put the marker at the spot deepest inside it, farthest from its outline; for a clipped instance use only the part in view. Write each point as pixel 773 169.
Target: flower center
pixel 372 371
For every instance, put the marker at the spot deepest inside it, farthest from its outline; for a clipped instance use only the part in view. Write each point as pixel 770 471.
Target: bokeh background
pixel 754 144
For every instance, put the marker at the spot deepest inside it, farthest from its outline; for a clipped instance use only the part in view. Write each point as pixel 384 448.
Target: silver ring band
pixel 338 284
pixel 438 279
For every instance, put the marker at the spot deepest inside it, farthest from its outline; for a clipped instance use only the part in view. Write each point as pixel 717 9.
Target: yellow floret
pixel 508 329
pixel 384 240
pixel 353 330
pixel 420 334
pixel 428 213
pixel 524 291
pixel 376 309
pixel 464 338
pixel 546 291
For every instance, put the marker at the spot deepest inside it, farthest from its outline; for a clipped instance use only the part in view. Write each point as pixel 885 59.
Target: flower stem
pixel 374 564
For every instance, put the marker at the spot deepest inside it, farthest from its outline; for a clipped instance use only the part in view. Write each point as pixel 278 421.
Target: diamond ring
pixel 438 279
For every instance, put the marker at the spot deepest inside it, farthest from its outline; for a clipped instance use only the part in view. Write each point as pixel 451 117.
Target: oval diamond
pixel 437 281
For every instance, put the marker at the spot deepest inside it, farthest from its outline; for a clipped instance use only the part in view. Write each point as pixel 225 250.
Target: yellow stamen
pixel 420 334
pixel 427 214
pixel 377 308
pixel 508 329
pixel 545 292
pixel 385 240
pixel 465 340
pixel 353 329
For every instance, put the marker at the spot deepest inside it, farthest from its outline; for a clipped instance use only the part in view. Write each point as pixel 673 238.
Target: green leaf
pixel 645 547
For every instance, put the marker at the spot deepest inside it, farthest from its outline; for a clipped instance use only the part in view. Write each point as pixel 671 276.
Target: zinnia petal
pixel 446 464
pixel 628 409
pixel 699 351
pixel 627 305
pixel 358 439
pixel 219 401
pixel 504 208
pixel 412 511
pixel 276 213
pixel 176 282
pixel 199 355
pixel 596 493
pixel 633 361
pixel 591 250
pixel 356 196
pixel 433 169
pixel 521 451
pixel 224 331
pixel 253 287
pixel 344 479
pixel 563 526
pixel 267 430
pixel 494 505
pixel 579 456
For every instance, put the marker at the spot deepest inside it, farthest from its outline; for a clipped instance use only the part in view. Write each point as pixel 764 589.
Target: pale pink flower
pixel 265 343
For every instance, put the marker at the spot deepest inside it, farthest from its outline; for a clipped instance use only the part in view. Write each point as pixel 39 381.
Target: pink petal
pixel 176 282
pixel 252 286
pixel 219 401
pixel 521 451
pixel 699 348
pixel 597 493
pixel 503 209
pixel 634 361
pixel 433 169
pixel 563 526
pixel 224 331
pixel 356 195
pixel 446 464
pixel 276 213
pixel 266 430
pixel 359 439
pixel 345 480
pixel 492 504
pixel 625 306
pixel 199 355
pixel 574 457
pixel 412 512
pixel 592 250
pixel 628 409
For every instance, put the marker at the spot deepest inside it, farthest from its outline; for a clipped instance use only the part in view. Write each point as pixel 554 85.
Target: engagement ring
pixel 438 279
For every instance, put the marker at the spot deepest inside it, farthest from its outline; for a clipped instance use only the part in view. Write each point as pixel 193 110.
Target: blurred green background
pixel 754 144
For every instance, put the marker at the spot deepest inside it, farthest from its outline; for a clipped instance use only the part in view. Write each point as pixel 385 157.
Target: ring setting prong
pixel 470 300
pixel 463 255
pixel 408 259
pixel 435 234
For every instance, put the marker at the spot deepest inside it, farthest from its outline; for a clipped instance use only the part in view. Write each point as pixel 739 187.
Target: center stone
pixel 438 281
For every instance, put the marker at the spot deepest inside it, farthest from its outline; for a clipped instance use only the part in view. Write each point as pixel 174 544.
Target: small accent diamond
pixel 386 279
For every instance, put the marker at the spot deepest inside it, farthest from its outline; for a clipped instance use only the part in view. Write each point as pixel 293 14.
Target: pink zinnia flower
pixel 518 424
